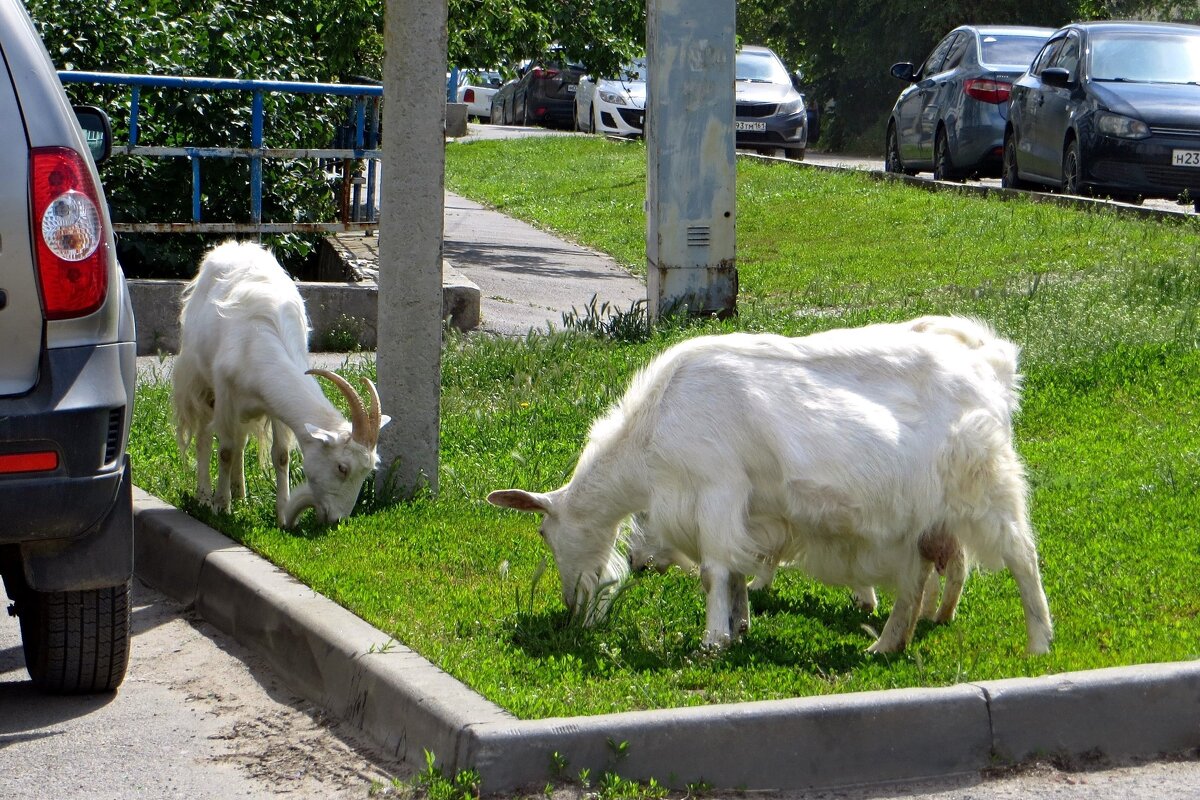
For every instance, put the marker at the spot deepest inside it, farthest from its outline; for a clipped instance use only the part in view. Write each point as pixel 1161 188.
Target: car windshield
pixel 633 71
pixel 1016 51
pixel 760 67
pixel 1146 57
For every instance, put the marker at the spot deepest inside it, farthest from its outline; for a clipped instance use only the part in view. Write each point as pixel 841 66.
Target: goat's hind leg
pixel 1021 559
pixel 204 443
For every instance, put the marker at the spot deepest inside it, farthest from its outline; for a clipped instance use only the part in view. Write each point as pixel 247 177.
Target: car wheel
pixel 595 117
pixel 943 165
pixel 795 155
pixel 75 642
pixel 892 161
pixel 1071 171
pixel 1010 178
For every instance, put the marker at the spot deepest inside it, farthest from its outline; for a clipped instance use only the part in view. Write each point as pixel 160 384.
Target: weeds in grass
pixel 464 785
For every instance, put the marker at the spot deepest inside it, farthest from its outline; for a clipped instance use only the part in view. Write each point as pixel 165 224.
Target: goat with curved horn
pixel 241 369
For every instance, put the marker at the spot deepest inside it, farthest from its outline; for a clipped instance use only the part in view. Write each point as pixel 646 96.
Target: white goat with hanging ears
pixel 242 369
pixel 882 450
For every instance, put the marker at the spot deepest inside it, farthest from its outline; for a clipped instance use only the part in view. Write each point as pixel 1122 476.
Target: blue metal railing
pixel 365 148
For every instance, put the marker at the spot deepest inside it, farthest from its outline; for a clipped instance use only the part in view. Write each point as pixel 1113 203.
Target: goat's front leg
pixel 237 469
pixel 956 576
pixel 902 622
pixel 717 581
pixel 280 457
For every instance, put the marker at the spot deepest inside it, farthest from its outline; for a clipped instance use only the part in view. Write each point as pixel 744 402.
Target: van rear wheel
pixel 75 642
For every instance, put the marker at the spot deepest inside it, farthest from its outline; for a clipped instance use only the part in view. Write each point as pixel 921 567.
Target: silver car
pixel 66 379
pixel 951 119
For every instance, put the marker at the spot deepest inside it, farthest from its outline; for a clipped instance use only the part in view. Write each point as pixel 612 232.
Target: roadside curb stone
pixel 409 706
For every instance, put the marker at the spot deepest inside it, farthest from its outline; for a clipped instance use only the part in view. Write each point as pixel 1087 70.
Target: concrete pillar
pixel 691 171
pixel 410 241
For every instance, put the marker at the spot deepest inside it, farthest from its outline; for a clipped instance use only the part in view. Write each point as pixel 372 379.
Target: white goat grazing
pixel 645 550
pixel 242 369
pixel 879 450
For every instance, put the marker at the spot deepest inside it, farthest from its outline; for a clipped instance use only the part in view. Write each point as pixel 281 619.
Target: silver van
pixel 67 372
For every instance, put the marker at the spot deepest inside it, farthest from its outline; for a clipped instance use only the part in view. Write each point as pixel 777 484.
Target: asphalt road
pixel 198 717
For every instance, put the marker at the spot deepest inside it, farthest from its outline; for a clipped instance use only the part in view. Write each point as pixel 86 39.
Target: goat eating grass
pixel 864 456
pixel 242 369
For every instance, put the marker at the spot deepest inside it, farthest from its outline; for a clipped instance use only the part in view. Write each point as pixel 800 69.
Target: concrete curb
pixel 408 705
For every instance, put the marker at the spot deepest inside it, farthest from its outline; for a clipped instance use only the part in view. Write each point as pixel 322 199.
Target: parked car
pixel 475 88
pixel 544 94
pixel 771 113
pixel 1111 108
pixel 66 379
pixel 615 106
pixel 951 118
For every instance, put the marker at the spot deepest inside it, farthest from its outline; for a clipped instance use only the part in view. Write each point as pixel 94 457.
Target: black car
pixel 771 114
pixel 544 94
pixel 67 380
pixel 950 118
pixel 1111 108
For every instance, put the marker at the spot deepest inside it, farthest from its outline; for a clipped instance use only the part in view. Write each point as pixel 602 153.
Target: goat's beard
pixel 301 498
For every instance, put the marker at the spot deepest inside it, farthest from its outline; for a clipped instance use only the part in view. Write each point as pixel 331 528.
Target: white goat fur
pixel 241 370
pixel 859 455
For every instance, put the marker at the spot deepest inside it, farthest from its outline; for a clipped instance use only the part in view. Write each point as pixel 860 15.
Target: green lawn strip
pixel 455 579
pixel 1105 312
pixel 819 238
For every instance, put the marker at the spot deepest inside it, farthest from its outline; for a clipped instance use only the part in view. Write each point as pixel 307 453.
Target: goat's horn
pixel 360 427
pixel 374 413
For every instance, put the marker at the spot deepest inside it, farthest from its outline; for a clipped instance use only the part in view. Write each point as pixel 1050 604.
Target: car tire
pixel 1010 178
pixel 943 164
pixel 595 118
pixel 795 155
pixel 75 642
pixel 1072 169
pixel 891 160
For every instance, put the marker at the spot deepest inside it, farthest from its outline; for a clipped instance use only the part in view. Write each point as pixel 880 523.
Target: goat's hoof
pixel 715 641
pixel 885 647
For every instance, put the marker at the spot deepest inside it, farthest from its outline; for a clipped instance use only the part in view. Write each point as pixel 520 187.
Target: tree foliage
pixel 601 34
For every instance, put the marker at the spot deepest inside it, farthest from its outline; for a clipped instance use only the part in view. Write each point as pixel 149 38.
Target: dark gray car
pixel 950 120
pixel 66 380
pixel 771 114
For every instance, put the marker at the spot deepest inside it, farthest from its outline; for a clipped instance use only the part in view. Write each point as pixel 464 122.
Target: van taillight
pixel 72 257
pixel 987 90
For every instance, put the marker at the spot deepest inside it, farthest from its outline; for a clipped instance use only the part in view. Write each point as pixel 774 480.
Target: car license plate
pixel 1185 158
pixel 571 87
pixel 738 125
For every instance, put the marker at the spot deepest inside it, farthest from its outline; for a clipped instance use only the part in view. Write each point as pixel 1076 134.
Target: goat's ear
pixel 322 435
pixel 384 420
pixel 520 500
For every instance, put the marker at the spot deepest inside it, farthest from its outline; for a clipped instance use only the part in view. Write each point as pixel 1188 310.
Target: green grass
pixel 1104 308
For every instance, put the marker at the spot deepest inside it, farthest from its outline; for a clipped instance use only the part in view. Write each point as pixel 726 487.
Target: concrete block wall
pixel 342 314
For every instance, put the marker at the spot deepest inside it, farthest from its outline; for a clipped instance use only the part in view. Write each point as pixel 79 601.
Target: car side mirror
pixel 1056 77
pixel 97 131
pixel 904 71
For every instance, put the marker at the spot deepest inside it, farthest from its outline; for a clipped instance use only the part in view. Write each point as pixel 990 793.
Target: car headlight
pixel 792 106
pixel 615 98
pixel 1120 126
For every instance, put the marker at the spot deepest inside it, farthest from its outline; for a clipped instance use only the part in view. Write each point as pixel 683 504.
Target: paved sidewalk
pixel 528 278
